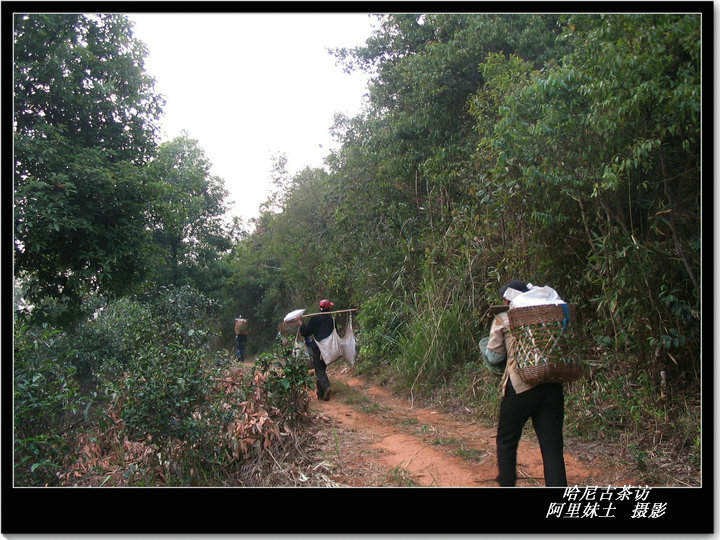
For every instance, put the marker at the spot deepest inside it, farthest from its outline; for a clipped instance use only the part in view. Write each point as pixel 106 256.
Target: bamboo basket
pixel 546 348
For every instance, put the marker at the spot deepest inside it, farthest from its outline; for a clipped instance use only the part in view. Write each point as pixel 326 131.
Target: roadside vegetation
pixel 558 149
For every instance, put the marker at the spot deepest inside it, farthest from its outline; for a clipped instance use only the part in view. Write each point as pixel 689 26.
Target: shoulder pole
pixel 329 312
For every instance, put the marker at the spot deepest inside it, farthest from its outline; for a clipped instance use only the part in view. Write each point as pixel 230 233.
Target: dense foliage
pixel 119 246
pixel 562 150
pixel 46 403
pixel 85 118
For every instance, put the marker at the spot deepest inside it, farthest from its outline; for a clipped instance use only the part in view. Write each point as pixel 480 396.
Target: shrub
pixel 285 380
pixel 46 402
pixel 102 346
pixel 165 384
pixel 182 305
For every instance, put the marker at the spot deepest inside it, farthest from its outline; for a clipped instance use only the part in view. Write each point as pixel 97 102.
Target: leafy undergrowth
pixel 262 446
pixel 265 448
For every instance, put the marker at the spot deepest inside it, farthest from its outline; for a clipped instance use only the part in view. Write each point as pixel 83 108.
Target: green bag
pixel 497 369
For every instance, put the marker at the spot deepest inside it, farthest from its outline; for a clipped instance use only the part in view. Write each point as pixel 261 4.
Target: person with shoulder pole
pixel 319 327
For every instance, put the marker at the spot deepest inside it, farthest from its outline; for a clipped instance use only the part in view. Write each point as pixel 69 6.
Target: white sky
pixel 251 86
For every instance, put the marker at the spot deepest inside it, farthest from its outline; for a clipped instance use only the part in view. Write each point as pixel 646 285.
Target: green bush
pixel 46 402
pixel 285 379
pixel 165 385
pixel 166 397
pixel 184 305
pixel 160 373
pixel 103 345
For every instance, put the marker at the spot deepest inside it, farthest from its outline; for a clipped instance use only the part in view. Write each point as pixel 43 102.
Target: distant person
pixel 318 328
pixel 241 333
pixel 544 403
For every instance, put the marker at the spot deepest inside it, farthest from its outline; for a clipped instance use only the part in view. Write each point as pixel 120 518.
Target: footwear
pixel 327 393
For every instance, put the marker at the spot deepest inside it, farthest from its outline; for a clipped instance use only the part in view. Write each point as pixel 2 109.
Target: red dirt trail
pixel 382 439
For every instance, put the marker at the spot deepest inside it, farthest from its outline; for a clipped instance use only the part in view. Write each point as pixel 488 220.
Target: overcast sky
pixel 252 86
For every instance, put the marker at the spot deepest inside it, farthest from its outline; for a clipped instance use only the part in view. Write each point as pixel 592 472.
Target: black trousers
pixel 545 405
pixel 240 346
pixel 322 382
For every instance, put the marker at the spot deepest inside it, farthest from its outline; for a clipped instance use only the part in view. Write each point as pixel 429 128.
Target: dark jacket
pixel 319 326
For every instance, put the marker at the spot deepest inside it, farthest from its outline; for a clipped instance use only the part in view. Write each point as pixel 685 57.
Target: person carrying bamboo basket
pixel 544 403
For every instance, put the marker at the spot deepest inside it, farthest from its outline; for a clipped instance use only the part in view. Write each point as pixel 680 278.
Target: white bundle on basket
pixel 537 296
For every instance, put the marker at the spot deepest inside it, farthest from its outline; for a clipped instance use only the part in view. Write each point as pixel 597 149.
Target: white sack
pixel 330 348
pixel 293 315
pixel 334 347
pixel 537 296
pixel 348 345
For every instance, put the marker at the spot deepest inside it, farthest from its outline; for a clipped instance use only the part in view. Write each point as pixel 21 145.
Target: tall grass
pixel 439 338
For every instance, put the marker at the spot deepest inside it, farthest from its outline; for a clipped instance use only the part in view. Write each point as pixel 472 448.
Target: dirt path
pixel 374 438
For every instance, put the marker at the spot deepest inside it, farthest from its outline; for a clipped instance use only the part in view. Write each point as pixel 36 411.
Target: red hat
pixel 326 304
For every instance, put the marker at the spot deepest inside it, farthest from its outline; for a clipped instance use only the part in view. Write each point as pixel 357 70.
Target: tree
pixel 186 217
pixel 288 261
pixel 604 152
pixel 85 116
pixel 411 160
